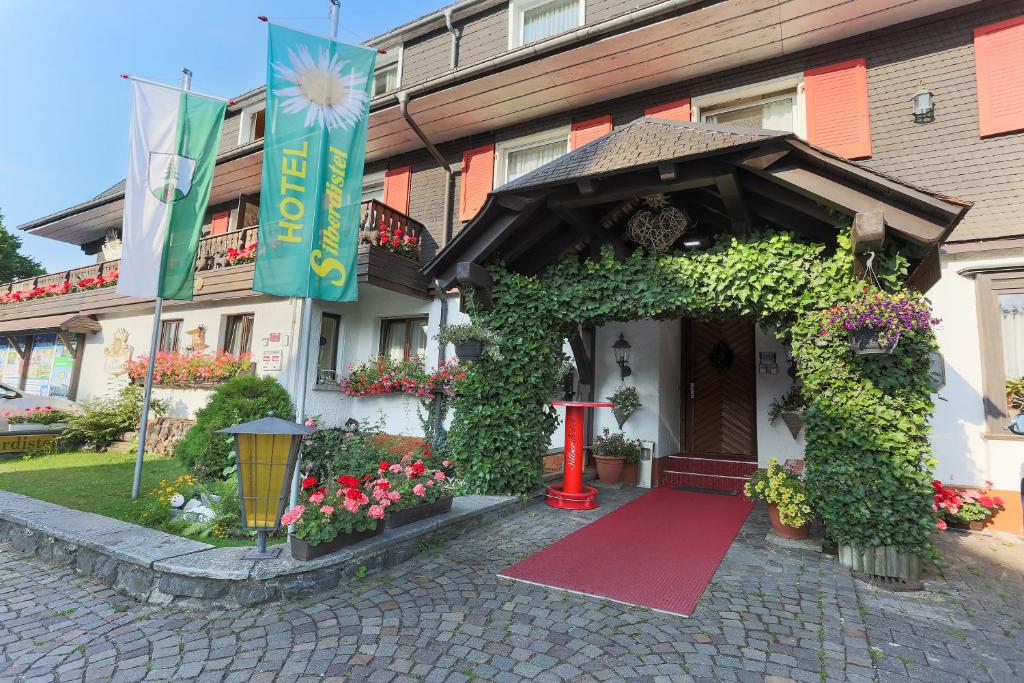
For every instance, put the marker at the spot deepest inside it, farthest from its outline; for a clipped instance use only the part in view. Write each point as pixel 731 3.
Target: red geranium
pixel 384 465
pixel 310 482
pixel 348 481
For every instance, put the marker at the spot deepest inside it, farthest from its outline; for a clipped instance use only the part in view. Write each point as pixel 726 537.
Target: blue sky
pixel 64 117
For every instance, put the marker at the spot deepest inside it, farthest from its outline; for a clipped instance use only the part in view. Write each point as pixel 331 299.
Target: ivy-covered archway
pixel 867 454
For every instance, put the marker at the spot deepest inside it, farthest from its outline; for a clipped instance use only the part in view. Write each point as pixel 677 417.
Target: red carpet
pixel 658 551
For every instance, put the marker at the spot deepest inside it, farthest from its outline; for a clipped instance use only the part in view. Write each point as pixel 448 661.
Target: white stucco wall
pixel 964 454
pixel 773 440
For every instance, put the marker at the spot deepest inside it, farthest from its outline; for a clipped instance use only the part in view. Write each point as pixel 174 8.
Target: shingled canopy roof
pixel 728 179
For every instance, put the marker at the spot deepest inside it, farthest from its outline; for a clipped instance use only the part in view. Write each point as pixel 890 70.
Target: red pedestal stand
pixel 573 494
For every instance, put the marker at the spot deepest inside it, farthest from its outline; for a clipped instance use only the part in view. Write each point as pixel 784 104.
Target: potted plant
pixel 331 517
pixel 612 452
pixel 411 492
pixel 966 508
pixel 625 400
pixel 786 496
pixel 790 407
pixel 471 341
pixel 876 321
pixel 38 417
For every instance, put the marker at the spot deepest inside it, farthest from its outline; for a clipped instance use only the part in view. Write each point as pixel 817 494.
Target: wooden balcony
pixel 216 280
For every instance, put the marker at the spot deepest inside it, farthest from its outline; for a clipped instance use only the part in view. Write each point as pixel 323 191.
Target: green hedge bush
pixel 238 400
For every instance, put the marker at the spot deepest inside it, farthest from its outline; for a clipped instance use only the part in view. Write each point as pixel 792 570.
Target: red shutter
pixel 676 111
pixel 837 108
pixel 219 222
pixel 397 182
pixel 999 60
pixel 477 180
pixel 583 132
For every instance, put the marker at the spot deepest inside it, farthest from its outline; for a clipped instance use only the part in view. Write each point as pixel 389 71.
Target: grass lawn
pixel 92 482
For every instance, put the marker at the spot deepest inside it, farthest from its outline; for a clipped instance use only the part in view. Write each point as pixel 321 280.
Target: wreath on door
pixel 720 356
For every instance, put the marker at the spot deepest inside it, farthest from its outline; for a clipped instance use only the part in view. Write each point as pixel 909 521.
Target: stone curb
pixel 153 566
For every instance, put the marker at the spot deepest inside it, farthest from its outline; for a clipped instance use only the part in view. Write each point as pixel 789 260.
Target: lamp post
pixel 266 451
pixel 621 349
pixel 924 108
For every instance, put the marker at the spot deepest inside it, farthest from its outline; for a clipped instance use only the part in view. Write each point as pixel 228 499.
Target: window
pixel 373 190
pixel 386 73
pixel 170 332
pixel 403 338
pixel 252 124
pixel 777 104
pixel 773 112
pixel 533 20
pixel 518 157
pixel 327 358
pixel 251 211
pixel 1000 298
pixel 238 334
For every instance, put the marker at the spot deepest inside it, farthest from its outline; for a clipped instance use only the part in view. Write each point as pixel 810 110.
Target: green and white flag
pixel 318 103
pixel 172 153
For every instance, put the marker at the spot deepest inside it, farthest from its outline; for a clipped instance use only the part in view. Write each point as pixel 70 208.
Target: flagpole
pixel 186 83
pixel 305 326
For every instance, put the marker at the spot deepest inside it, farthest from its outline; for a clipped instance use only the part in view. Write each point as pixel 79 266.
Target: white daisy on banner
pixel 322 89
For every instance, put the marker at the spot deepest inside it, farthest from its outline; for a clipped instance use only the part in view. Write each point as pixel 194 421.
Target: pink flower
pixel 396 468
pixel 419 490
pixel 998 501
pixel 376 511
pixel 446 463
pixel 310 422
pixel 385 501
pixel 430 482
pixel 941 524
pixel 394 496
pixel 439 475
pixel 327 510
pixel 317 497
pixel 351 505
pixel 935 507
pixel 293 515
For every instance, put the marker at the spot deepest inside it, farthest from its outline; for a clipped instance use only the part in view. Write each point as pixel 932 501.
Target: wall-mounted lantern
pixel 621 349
pixel 266 451
pixel 924 107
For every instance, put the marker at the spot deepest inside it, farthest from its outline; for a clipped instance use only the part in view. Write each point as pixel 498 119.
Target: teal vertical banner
pixel 318 106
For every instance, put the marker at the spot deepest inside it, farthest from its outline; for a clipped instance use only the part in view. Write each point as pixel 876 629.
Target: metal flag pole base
pixel 261 551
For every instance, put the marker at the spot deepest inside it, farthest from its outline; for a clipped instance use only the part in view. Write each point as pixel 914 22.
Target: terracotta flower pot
pixel 784 530
pixel 628 475
pixel 609 470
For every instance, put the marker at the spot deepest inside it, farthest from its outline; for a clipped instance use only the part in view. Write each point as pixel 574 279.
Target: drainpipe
pixel 454 57
pixel 449 181
pixel 442 321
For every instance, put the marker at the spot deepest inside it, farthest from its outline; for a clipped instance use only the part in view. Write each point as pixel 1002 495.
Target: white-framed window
pixel 777 104
pixel 387 73
pixel 533 20
pixel 252 124
pixel 518 157
pixel 373 186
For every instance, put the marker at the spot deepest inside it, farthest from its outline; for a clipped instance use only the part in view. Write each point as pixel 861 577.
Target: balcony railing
pixel 212 252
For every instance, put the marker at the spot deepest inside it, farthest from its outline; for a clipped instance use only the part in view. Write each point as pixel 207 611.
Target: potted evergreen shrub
pixel 790 407
pixel 471 341
pixel 612 452
pixel 786 495
pixel 626 401
pixel 876 321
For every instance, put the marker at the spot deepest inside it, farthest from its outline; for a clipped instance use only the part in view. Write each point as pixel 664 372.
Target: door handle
pixel 691 389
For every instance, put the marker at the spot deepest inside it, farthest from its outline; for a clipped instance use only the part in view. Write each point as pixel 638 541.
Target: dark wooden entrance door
pixel 719 391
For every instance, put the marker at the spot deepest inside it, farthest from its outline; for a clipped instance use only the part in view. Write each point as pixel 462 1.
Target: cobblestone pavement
pixel 770 614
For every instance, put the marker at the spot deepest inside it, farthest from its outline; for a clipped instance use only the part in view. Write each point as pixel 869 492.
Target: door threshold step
pixel 707 459
pixel 705 489
pixel 705 474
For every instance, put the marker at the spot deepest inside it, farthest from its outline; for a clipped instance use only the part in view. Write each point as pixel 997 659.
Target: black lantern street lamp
pixel 924 107
pixel 621 349
pixel 266 451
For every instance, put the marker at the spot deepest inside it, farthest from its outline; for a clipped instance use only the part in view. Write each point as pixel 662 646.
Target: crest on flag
pixel 170 176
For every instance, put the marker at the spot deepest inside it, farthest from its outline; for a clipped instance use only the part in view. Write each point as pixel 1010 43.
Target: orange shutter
pixel 219 222
pixel 676 111
pixel 999 60
pixel 837 108
pixel 477 180
pixel 583 132
pixel 397 182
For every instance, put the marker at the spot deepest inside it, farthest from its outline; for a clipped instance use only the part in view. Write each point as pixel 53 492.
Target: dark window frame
pixel 333 364
pixel 164 324
pixel 988 287
pixel 245 346
pixel 386 325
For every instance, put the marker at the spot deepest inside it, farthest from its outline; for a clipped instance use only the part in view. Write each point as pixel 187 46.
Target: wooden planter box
pixel 304 551
pixel 417 512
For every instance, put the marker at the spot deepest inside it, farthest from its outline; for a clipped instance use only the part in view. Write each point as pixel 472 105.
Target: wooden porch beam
pixel 581 353
pixel 868 231
pixel 597 235
pixel 763 187
pixel 640 183
pixel 477 278
pixel 539 231
pixel 14 342
pixel 587 186
pixel 63 336
pixel 790 219
pixel 735 205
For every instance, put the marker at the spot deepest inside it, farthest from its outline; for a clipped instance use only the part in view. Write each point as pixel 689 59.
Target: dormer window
pixel 386 74
pixel 533 20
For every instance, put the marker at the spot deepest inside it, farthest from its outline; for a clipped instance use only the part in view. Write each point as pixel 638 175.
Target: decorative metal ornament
pixel 720 356
pixel 657 233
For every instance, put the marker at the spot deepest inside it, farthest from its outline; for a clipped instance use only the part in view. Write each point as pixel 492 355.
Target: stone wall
pixel 164 432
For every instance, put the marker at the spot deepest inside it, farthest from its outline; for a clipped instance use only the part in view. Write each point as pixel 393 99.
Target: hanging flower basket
pixel 471 349
pixel 626 401
pixel 794 421
pixel 621 415
pixel 867 341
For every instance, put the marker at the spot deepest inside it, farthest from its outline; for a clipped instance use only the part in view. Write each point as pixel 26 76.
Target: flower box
pixel 304 552
pixel 37 427
pixel 471 349
pixel 865 342
pixel 397 518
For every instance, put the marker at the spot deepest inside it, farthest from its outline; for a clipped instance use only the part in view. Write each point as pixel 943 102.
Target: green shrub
pixel 339 450
pixel 238 400
pixel 104 420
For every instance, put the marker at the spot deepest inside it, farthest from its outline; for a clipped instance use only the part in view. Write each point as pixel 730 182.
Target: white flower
pixel 322 89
